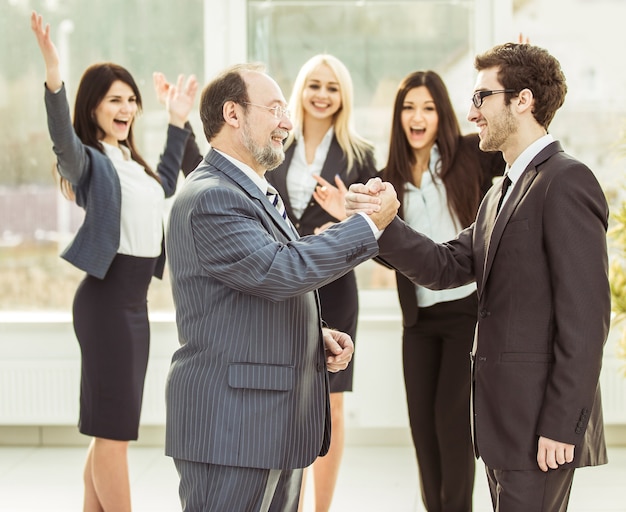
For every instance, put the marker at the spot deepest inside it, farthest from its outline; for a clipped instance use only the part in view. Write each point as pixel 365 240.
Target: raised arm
pixel 162 88
pixel 178 99
pixel 48 51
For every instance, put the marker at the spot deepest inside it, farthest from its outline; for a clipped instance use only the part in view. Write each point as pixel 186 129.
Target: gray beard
pixel 266 156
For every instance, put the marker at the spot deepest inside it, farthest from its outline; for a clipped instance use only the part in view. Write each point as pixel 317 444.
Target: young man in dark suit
pixel 537 251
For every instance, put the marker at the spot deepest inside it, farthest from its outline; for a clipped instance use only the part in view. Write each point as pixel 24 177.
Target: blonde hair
pixel 352 144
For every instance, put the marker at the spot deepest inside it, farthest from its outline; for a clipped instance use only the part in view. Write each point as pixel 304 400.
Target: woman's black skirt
pixel 111 324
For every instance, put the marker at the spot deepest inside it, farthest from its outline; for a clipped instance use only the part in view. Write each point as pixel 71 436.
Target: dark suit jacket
pixel 339 299
pixel 544 307
pixel 248 386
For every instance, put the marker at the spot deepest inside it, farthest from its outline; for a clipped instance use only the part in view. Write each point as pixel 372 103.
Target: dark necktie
pixel 506 183
pixel 274 198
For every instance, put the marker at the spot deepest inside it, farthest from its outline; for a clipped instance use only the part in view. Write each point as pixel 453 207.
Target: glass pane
pixel 35 224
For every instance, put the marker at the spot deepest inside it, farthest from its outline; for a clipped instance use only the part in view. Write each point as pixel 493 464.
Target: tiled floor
pixel 381 479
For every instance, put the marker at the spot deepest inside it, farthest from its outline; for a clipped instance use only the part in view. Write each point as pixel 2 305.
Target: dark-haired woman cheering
pixel 118 246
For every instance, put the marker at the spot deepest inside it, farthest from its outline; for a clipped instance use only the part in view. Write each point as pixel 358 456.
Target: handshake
pixel 376 198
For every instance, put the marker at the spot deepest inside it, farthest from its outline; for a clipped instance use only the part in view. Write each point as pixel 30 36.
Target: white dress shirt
pixel 300 181
pixel 143 205
pixel 515 171
pixel 426 210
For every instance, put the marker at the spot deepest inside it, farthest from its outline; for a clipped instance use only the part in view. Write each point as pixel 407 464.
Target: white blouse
pixel 300 182
pixel 426 210
pixel 143 206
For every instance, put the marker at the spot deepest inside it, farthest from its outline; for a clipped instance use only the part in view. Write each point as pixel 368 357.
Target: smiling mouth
pixel 418 131
pixel 279 136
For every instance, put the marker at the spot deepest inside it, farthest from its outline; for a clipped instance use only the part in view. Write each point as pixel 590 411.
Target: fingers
pixel 375 185
pixel 339 349
pixel 323 227
pixel 552 454
pixel 340 185
pixel 161 86
pixel 322 182
pixel 179 82
pixel 191 87
pixel 36 24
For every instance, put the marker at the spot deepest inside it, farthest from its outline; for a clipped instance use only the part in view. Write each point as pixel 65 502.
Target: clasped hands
pixel 376 198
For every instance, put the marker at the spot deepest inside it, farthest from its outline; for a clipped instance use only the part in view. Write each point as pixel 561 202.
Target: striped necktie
pixel 274 198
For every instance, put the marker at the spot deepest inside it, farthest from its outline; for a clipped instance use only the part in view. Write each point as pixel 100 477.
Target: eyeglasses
pixel 277 110
pixel 478 96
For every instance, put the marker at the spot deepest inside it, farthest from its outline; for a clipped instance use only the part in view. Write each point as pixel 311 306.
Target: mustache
pixel 283 134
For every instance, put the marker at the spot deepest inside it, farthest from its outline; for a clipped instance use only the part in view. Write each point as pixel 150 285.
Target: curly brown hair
pixel 524 66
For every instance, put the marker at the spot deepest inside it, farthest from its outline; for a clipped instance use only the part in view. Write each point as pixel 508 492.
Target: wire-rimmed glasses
pixel 277 110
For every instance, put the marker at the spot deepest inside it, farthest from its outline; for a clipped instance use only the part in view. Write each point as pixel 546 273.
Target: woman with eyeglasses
pixel 119 246
pixel 440 177
pixel 324 142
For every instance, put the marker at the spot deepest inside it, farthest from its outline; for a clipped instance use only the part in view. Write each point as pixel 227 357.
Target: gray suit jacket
pixel 248 386
pixel 544 307
pixel 97 186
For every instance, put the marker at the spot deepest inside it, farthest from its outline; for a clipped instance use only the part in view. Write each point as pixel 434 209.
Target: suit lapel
pixel 335 162
pixel 333 165
pixel 494 226
pixel 238 177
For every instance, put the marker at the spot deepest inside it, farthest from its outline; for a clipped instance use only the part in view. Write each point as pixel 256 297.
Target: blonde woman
pixel 324 142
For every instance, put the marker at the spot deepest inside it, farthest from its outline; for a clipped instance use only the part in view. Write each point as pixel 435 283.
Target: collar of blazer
pixel 494 226
pixel 335 163
pixel 239 179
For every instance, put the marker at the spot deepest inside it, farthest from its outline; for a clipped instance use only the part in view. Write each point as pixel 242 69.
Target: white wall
pixel 40 373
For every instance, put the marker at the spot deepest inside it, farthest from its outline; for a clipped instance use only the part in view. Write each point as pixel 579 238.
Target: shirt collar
pixel 515 171
pixel 120 152
pixel 259 181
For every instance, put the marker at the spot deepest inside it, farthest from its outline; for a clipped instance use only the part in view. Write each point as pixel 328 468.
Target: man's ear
pixel 525 100
pixel 231 114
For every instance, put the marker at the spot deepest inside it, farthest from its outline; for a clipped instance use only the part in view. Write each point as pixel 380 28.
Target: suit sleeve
pixel 425 262
pixel 575 223
pixel 237 243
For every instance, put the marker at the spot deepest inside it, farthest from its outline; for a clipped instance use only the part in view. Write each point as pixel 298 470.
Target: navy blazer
pixel 97 187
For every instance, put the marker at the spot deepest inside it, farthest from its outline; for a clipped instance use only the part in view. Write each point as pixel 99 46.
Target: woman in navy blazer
pixel 119 245
pixel 323 142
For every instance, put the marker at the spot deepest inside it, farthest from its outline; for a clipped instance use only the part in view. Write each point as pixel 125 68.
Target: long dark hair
pixel 462 182
pixel 94 84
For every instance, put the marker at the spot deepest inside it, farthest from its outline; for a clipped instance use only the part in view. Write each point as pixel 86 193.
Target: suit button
pixel 484 313
pixel 297 224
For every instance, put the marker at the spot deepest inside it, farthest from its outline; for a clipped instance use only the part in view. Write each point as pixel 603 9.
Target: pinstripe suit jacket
pixel 248 386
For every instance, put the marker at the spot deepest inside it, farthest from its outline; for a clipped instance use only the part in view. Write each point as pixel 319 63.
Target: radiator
pixel 47 392
pixel 40 374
